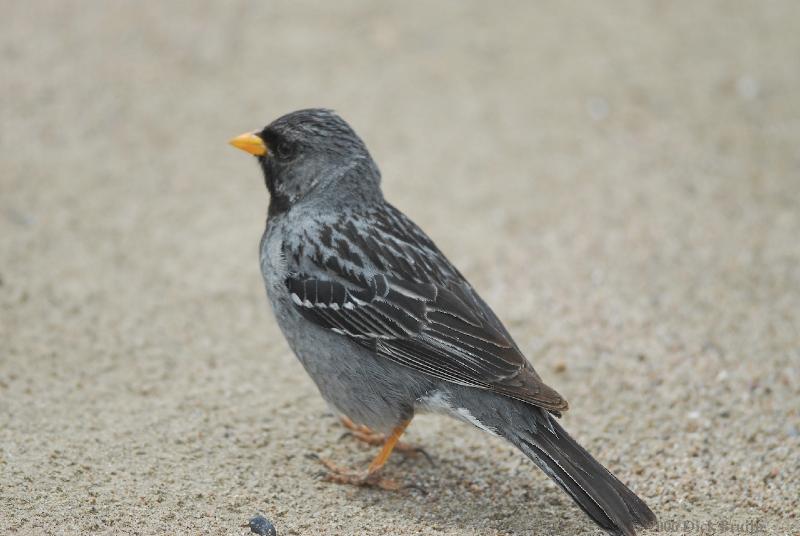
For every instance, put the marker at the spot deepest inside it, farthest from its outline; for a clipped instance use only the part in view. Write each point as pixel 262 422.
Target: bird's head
pixel 310 151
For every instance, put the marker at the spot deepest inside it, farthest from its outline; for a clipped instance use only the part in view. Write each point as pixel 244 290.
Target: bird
pixel 388 328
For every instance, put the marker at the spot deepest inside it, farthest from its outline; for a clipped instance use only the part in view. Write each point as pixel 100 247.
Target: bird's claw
pixel 343 475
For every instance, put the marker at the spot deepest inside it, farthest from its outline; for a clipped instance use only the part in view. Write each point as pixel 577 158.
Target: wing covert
pixel 426 327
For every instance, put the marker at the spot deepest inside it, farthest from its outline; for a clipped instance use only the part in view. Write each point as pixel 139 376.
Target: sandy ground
pixel 633 167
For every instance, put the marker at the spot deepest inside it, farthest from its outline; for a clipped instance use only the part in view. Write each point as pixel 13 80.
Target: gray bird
pixel 387 327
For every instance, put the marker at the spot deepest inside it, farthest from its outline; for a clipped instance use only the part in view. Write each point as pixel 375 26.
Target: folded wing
pixel 428 327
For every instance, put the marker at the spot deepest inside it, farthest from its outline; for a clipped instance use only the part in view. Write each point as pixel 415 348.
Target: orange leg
pixel 370 437
pixel 371 476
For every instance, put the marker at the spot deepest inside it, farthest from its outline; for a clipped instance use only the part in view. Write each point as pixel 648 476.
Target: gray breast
pixel 356 382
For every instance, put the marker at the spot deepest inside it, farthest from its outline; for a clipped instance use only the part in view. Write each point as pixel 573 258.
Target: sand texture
pixel 620 180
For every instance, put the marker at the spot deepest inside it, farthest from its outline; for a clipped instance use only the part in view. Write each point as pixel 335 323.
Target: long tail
pixel 605 499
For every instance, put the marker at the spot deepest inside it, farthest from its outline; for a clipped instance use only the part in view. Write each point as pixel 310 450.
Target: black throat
pixel 278 203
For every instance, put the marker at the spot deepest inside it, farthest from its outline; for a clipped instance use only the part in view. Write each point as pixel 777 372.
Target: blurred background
pixel 635 166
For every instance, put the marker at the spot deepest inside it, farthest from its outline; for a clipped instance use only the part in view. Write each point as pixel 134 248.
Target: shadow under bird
pixel 387 327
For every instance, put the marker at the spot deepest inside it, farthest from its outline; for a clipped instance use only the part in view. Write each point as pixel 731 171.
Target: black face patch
pixel 279 146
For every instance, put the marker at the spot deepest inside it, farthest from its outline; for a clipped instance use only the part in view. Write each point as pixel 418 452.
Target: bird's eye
pixel 284 150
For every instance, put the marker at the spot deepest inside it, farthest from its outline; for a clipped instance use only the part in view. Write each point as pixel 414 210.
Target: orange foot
pixel 343 475
pixel 370 477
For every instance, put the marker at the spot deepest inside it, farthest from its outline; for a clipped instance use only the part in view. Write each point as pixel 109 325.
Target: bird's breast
pixel 272 258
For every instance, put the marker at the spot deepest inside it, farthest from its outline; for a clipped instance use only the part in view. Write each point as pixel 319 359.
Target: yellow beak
pixel 251 143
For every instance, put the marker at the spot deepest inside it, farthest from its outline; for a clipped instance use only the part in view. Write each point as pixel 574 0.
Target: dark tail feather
pixel 605 499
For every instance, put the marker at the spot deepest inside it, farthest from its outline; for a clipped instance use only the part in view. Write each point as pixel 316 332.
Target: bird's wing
pixel 382 283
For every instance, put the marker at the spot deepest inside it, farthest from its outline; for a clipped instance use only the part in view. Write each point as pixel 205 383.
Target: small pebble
pixel 772 474
pixel 262 526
